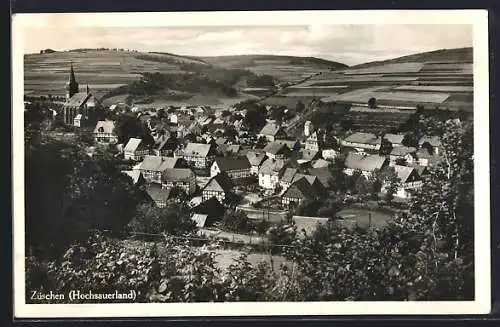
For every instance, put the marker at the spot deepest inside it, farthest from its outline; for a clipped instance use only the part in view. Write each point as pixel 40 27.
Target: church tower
pixel 72 86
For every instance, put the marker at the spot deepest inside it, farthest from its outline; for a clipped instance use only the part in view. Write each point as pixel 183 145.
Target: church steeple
pixel 72 87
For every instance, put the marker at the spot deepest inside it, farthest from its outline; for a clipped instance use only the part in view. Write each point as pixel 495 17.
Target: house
pixel 287 177
pixel 197 155
pixel 425 157
pixel 135 149
pixel 272 132
pixel 219 186
pixel 320 163
pixel 306 156
pixel 104 132
pixel 234 167
pixel 367 164
pixel 293 145
pixel 270 172
pixel 409 180
pixel 255 158
pixel 395 139
pixel 77 121
pixel 166 146
pixel 136 176
pixel 229 150
pixel 308 128
pixel 431 143
pixel 210 211
pixel 183 178
pixel 314 142
pixel 291 175
pixel 277 150
pixel 362 142
pixel 323 175
pixel 159 195
pixel 402 154
pixel 299 191
pixel 152 167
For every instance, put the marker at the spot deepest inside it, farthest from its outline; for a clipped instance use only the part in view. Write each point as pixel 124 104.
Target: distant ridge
pixel 456 54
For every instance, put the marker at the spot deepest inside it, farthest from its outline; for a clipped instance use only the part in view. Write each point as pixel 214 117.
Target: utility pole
pixel 370 220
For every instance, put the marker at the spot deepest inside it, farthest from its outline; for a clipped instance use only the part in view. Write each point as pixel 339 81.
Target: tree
pixel 385 147
pixel 255 117
pixel 299 107
pixel 128 126
pixel 372 103
pixel 235 221
pixel 389 181
pixel 161 113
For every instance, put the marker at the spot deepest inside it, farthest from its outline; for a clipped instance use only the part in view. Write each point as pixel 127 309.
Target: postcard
pixel 251 163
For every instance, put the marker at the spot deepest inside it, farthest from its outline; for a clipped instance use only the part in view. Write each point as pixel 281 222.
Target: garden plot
pixel 443 88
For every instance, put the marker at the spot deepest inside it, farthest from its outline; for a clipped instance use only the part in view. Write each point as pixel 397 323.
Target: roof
pixel 425 154
pixel 402 151
pixel 108 126
pixel 288 175
pixel 320 163
pixel 197 149
pixel 309 224
pixel 363 138
pixel 135 175
pixel 420 170
pixel 403 172
pixel 132 144
pixel 276 148
pixel 157 163
pixel 432 140
pixel 211 207
pixel 232 149
pixel 364 163
pixel 270 129
pixel 220 182
pixel 79 116
pixel 167 144
pixel 300 189
pixel 157 193
pixel 291 144
pixel 323 174
pixel 255 157
pixel 394 138
pixel 78 99
pixel 232 163
pixel 308 155
pixel 199 219
pixel 271 166
pixel 177 174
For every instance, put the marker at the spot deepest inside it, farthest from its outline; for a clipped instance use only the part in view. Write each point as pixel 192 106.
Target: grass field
pixel 354 215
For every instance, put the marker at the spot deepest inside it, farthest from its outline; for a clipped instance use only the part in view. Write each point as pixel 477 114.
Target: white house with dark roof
pixel 104 132
pixel 197 155
pixel 135 149
pixel 219 186
pixel 298 191
pixel 270 172
pixel 183 178
pixel 277 150
pixel 234 167
pixel 255 158
pixel 362 142
pixel 367 164
pixel 409 180
pixel 402 153
pixel 272 132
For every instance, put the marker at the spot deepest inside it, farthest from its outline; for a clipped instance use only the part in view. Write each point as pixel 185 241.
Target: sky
pixel 348 44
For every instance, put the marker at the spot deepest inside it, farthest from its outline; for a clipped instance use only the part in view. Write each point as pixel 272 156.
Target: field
pixel 359 216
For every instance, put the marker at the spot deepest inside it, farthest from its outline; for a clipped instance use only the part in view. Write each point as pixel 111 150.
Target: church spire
pixel 72 84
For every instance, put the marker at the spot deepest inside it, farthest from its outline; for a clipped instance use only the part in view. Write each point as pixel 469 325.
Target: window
pixel 101 129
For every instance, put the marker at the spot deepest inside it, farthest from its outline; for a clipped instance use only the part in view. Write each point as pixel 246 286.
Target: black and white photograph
pixel 254 163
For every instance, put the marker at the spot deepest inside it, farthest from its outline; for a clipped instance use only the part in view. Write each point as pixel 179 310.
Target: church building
pixel 81 108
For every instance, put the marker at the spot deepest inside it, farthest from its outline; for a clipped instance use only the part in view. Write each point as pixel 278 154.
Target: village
pixel 213 160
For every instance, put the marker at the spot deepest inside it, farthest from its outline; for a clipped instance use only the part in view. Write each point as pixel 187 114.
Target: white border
pixel 479 19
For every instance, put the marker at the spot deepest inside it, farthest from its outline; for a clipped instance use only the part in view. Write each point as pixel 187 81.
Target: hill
pixel 161 77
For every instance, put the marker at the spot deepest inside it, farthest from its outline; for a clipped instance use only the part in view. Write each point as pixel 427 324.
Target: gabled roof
pixel 157 193
pixel 198 149
pixel 271 166
pixel 307 155
pixel 323 174
pixel 232 149
pixel 432 140
pixel 401 151
pixel 211 207
pixel 364 163
pixel 157 163
pixel 199 219
pixel 108 126
pixel 79 99
pixel 276 148
pixel 291 144
pixel 300 189
pixel 404 172
pixel 232 163
pixel 255 157
pixel 320 163
pixel 394 138
pixel 167 144
pixel 288 175
pixel 135 175
pixel 425 154
pixel 363 138
pixel 177 174
pixel 220 183
pixel 270 129
pixel 132 144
